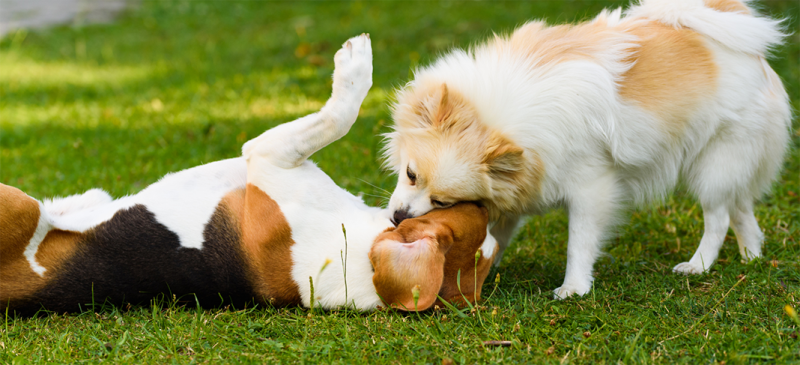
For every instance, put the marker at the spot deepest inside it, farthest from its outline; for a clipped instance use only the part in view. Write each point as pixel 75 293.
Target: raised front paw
pixel 353 74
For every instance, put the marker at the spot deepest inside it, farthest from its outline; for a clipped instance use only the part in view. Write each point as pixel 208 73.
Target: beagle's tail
pixel 732 23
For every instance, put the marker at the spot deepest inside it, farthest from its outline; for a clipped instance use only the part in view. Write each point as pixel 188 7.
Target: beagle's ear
pixel 461 280
pixel 405 270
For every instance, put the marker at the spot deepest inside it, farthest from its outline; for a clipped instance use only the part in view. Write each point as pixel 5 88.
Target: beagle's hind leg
pixel 19 218
pixel 23 225
pixel 289 144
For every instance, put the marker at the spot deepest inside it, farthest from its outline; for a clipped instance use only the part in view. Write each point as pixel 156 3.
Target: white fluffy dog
pixel 597 116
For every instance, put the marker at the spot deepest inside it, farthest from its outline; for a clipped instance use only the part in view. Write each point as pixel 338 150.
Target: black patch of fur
pixel 132 259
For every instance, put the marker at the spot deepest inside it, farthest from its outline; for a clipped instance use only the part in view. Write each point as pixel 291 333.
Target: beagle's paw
pixel 352 77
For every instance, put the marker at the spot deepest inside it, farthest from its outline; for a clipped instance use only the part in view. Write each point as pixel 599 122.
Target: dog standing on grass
pixel 596 116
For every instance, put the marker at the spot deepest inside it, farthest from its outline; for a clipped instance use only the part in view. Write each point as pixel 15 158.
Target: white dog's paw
pixel 353 73
pixel 568 290
pixel 688 268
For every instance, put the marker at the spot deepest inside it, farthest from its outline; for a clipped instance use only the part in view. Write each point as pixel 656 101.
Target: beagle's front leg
pixel 289 144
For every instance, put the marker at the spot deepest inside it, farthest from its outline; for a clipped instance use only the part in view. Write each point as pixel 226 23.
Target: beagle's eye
pixel 411 176
pixel 440 204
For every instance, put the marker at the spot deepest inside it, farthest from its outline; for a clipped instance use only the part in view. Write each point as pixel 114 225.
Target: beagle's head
pixel 428 256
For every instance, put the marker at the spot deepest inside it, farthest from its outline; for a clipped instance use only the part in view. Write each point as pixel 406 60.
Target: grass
pixel 174 84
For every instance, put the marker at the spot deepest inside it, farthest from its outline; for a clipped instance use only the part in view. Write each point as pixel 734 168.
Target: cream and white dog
pixel 596 116
pixel 266 227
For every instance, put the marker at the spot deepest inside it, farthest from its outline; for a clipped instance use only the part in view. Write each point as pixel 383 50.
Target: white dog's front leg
pixel 289 144
pixel 591 212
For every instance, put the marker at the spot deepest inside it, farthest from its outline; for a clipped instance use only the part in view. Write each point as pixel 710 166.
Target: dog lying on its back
pixel 596 116
pixel 256 228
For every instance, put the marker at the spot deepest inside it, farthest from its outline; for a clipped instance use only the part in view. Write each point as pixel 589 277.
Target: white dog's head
pixel 442 154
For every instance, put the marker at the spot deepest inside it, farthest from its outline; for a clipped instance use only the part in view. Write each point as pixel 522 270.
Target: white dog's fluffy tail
pixel 741 31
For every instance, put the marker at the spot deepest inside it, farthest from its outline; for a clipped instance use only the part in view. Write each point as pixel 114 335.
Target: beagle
pixel 269 227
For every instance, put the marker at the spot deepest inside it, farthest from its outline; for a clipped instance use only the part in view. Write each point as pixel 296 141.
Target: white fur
pixel 602 153
pixel 42 227
pixel 489 244
pixel 736 31
pixel 183 202
pixel 74 203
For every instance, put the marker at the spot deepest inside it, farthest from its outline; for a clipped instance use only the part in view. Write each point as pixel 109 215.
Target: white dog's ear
pixel 434 109
pixel 444 109
pixel 502 156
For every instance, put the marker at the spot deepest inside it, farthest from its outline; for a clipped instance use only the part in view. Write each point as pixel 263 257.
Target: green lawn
pixel 174 84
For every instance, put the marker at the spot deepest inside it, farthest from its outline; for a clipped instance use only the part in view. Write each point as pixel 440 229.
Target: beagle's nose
pixel 399 216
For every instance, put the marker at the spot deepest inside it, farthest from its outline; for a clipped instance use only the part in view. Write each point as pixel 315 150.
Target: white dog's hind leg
pixel 716 227
pixel 591 212
pixel 289 144
pixel 77 202
pixel 748 234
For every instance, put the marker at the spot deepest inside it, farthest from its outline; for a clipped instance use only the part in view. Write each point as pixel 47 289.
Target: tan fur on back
pixel 733 6
pixel 543 45
pixel 673 74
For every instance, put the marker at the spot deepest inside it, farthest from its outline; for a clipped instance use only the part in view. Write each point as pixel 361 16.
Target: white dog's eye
pixel 440 204
pixel 411 175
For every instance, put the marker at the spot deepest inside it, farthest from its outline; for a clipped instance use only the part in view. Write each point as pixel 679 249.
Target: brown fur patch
pixel 674 72
pixel 731 6
pixel 267 240
pixel 56 248
pixel 468 223
pixel 470 291
pixel 19 216
pixel 542 45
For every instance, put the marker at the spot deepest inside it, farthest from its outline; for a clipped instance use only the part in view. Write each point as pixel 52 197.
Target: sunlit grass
pixel 175 84
pixel 18 72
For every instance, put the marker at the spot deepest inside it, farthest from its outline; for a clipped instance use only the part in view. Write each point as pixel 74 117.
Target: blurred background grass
pixel 174 84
